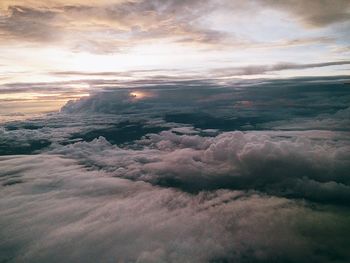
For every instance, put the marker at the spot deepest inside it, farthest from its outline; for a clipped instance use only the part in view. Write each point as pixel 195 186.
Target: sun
pixel 138 95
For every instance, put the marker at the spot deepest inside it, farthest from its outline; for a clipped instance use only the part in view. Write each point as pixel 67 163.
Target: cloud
pixel 158 74
pixel 264 69
pixel 231 105
pixel 339 121
pixel 173 180
pixel 316 13
pixel 187 130
pixel 58 210
pixel 210 107
pixel 116 26
pixel 22 22
pixel 230 160
pixel 119 25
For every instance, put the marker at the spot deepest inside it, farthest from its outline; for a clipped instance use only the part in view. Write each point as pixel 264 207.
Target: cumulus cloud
pixel 240 105
pixel 209 107
pixel 172 180
pixel 59 211
pixel 230 160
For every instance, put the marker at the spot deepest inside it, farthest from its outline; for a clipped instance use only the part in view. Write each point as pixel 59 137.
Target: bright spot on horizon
pixel 138 95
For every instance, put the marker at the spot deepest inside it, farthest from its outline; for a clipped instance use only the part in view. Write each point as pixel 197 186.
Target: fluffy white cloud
pixel 233 160
pixel 59 211
pixel 187 194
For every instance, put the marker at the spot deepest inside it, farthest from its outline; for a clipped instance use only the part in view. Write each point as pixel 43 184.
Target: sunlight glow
pixel 137 95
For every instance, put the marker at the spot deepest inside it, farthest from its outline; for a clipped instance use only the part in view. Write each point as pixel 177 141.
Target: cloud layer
pixel 61 212
pixel 181 171
pixel 287 167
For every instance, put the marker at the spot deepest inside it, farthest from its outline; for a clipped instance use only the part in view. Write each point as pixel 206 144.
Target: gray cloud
pixel 234 71
pixel 288 104
pixel 22 22
pixel 264 69
pixel 316 13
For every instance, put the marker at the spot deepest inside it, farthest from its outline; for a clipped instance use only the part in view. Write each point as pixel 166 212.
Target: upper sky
pixel 52 40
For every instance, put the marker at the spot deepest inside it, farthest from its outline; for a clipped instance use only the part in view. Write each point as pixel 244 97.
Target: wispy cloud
pixel 116 25
pixel 264 69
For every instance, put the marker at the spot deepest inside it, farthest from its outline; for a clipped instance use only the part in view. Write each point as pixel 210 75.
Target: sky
pixel 174 131
pixel 74 41
pixel 121 36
